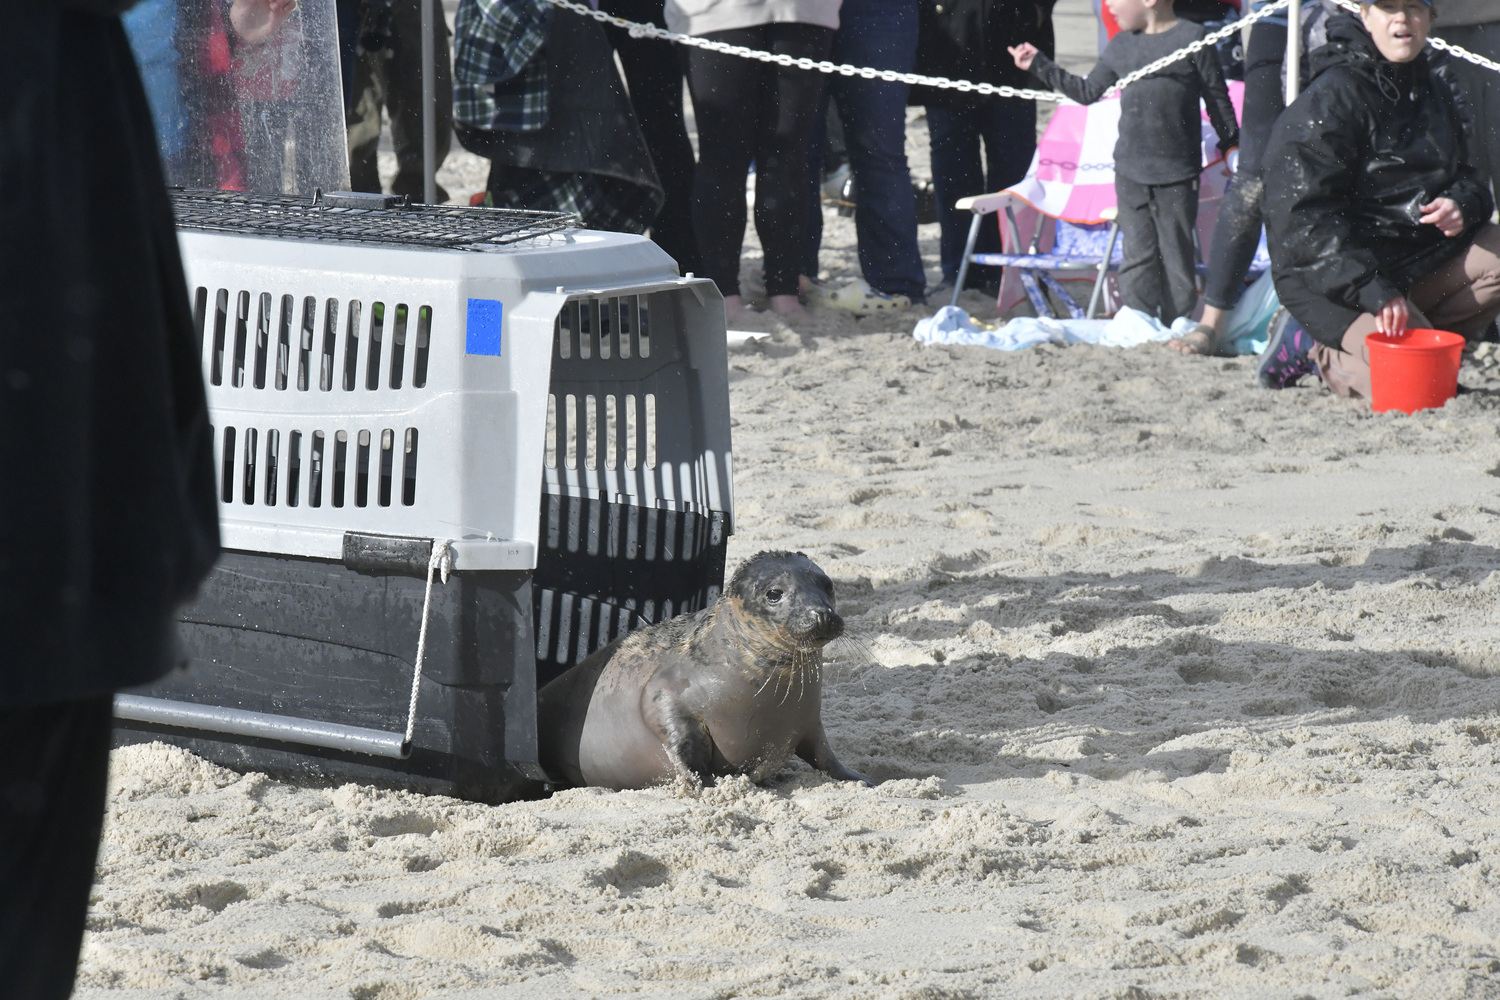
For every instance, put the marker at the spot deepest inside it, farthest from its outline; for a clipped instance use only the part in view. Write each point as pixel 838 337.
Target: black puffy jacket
pixel 1348 165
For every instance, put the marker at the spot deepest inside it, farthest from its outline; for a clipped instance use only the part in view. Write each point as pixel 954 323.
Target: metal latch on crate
pixel 358 199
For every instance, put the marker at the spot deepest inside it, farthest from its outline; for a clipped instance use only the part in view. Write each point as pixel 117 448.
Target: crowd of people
pixel 772 119
pixel 1374 182
pixel 1374 188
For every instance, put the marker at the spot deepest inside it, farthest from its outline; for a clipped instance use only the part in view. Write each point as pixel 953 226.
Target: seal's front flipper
pixel 688 746
pixel 815 750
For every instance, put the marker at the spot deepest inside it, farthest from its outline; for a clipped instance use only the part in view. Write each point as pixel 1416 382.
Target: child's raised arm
pixel 1084 91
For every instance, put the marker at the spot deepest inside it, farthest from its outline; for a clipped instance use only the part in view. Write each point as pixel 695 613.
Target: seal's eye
pixel 774 596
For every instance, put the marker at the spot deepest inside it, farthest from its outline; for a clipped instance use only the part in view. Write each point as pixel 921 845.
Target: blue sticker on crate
pixel 483 336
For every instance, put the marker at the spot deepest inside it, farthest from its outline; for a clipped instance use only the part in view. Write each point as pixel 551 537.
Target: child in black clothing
pixel 1158 155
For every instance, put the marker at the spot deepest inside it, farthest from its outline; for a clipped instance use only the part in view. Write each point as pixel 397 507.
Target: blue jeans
pixel 881 34
pixel 1007 126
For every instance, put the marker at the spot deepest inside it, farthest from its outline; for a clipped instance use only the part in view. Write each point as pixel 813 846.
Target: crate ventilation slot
pixel 344 468
pixel 265 341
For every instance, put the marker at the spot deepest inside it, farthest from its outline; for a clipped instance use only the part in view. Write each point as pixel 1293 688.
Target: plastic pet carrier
pixel 483 433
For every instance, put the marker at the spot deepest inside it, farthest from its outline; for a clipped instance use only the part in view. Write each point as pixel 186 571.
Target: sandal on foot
pixel 862 300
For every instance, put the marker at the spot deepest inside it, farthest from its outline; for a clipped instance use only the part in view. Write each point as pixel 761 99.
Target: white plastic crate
pixel 551 402
pixel 438 393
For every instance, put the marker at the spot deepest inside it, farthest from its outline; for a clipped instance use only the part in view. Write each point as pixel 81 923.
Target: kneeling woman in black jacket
pixel 1374 218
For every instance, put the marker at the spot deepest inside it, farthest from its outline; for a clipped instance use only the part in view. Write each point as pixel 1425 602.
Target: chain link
pixel 638 30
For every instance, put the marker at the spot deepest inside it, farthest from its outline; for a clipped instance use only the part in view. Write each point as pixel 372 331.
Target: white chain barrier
pixel 638 30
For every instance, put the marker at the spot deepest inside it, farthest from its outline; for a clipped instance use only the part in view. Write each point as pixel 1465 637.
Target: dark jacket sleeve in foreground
pixel 108 514
pixel 1216 99
pixel 1310 175
pixel 1081 89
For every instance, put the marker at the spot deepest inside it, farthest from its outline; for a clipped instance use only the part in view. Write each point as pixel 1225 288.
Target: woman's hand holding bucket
pixel 1393 316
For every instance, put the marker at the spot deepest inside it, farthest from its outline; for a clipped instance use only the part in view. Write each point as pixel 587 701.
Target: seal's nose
pixel 829 625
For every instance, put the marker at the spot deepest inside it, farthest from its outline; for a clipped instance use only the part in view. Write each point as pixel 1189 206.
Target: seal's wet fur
pixel 736 688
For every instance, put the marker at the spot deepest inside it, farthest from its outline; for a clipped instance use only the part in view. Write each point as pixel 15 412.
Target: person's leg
pixel 653 75
pixel 785 129
pixel 812 236
pixel 403 95
pixel 363 121
pixel 1464 294
pixel 1142 285
pixel 727 91
pixel 881 34
pixel 1237 230
pixel 1236 236
pixel 957 172
pixel 1008 127
pixel 51 811
pixel 1174 210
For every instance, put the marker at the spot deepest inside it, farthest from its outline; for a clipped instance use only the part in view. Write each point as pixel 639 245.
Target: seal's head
pixel 788 592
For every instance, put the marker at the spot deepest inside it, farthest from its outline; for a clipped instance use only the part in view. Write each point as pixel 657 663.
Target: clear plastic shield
pixel 246 94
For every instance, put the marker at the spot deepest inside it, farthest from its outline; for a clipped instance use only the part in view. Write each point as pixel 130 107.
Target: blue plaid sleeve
pixel 498 83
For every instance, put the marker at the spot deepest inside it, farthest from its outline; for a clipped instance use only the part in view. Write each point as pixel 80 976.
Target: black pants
pixel 392 79
pixel 1156 229
pixel 1237 231
pixel 753 112
pixel 51 812
pixel 653 74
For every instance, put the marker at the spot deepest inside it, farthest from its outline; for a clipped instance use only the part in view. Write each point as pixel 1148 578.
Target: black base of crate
pixel 312 639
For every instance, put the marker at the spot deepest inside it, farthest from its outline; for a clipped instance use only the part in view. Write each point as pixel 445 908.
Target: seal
pixel 736 688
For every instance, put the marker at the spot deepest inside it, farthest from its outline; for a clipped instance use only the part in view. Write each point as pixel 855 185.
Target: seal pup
pixel 736 688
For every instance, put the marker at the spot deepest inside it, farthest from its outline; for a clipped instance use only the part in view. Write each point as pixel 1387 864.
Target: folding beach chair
pixel 1058 226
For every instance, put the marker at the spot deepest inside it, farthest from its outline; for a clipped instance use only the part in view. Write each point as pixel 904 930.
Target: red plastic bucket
pixel 1415 371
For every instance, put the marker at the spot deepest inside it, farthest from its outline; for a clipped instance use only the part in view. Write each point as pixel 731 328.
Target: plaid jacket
pixel 497 82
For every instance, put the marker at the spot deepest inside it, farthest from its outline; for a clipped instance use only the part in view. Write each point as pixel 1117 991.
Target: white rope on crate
pixel 639 30
pixel 441 561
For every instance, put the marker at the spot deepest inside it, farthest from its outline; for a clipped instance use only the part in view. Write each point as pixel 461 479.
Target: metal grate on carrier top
pixel 346 217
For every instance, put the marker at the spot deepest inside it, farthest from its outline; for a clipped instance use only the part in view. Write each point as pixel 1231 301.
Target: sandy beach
pixel 1176 688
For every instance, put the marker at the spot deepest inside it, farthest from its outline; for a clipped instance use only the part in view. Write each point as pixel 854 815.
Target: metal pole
pixel 429 100
pixel 260 725
pixel 1293 50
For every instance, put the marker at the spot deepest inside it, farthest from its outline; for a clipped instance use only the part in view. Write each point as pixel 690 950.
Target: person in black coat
pixel 1375 218
pixel 967 40
pixel 108 516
